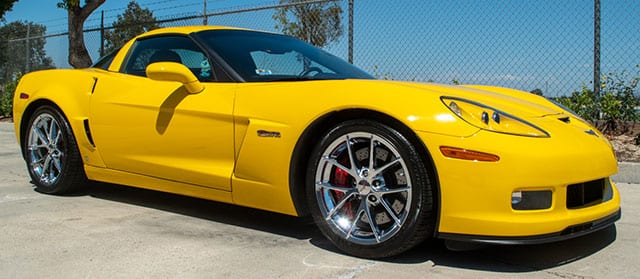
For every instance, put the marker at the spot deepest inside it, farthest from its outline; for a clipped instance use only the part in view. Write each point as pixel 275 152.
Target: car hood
pixel 519 103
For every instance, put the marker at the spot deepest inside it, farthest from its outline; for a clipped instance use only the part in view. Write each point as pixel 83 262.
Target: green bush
pixel 614 112
pixel 6 97
pixel 582 102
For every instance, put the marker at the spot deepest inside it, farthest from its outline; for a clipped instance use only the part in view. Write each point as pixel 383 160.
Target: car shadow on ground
pixel 499 258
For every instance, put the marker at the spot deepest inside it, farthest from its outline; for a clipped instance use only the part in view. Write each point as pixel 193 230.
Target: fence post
pixel 26 42
pixel 205 19
pixel 102 34
pixel 350 31
pixel 596 55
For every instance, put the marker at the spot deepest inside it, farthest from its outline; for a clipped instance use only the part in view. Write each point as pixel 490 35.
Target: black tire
pixel 51 153
pixel 392 193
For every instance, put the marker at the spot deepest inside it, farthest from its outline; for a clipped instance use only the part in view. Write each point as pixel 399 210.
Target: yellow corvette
pixel 267 121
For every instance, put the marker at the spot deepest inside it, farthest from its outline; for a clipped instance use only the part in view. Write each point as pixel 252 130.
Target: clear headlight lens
pixel 490 119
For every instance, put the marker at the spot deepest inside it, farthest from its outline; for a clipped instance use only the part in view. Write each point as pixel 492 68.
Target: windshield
pixel 258 57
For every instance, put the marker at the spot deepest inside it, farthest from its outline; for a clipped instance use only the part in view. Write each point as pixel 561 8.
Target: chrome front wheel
pixel 363 188
pixel 51 153
pixel 45 149
pixel 369 190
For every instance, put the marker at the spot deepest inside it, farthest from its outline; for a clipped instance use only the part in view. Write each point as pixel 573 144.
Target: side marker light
pixel 464 154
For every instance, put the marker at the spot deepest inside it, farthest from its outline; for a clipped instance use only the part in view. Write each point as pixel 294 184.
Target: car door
pixel 158 129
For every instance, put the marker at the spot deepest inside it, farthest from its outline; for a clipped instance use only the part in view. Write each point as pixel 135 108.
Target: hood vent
pixel 565 119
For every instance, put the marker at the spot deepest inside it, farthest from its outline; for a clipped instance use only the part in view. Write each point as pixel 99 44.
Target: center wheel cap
pixel 364 188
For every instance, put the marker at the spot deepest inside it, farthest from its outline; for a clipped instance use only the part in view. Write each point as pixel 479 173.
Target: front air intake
pixel 585 194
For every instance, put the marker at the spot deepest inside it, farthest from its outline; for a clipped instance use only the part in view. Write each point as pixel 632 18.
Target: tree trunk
pixel 78 54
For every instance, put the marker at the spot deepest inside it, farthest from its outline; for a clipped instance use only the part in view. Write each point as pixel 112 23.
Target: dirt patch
pixel 626 148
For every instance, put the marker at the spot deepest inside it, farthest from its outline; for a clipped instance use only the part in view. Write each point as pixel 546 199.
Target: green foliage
pixel 6 5
pixel 318 24
pixel 582 102
pixel 614 112
pixel 622 88
pixel 6 97
pixel 67 4
pixel 134 21
pixel 13 53
pixel 455 81
pixel 537 91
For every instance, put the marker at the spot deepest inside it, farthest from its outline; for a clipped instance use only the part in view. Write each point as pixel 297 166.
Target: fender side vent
pixel 565 119
pixel 95 82
pixel 87 131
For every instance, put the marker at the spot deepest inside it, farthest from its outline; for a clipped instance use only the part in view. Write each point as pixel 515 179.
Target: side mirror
pixel 172 71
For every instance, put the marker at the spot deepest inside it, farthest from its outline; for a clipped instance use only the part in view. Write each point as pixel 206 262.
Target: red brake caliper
pixel 341 178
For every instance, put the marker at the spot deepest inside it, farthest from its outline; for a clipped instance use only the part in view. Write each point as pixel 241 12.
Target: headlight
pixel 490 119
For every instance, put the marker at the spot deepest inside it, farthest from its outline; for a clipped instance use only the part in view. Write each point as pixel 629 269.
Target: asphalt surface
pixel 112 231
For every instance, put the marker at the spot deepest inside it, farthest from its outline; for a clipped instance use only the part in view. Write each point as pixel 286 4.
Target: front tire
pixel 51 153
pixel 369 191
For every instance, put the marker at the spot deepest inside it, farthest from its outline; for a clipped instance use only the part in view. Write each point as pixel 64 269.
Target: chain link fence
pixel 543 45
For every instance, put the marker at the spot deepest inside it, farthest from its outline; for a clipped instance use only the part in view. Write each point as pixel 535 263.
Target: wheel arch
pixel 310 136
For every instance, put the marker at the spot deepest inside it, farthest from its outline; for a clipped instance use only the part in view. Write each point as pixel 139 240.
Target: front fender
pixel 67 90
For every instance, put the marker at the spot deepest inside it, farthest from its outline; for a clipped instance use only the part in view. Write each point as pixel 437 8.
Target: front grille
pixel 585 194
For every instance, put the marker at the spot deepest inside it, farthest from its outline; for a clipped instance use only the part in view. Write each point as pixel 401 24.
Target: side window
pixel 179 49
pixel 105 61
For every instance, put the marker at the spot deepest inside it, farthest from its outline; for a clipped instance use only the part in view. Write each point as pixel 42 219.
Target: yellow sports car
pixel 267 121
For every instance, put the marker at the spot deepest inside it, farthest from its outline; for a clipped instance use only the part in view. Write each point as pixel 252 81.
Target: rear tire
pixel 369 191
pixel 51 153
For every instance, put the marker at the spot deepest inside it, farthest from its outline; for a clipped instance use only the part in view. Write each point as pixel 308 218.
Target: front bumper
pixel 568 233
pixel 475 197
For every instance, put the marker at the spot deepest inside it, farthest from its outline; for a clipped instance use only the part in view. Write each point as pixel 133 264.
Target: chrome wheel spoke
pixel 386 166
pixel 354 223
pixel 56 138
pixel 372 158
pixel 38 162
pixel 51 131
pixel 320 186
pixel 46 166
pixel 350 171
pixel 57 164
pixel 352 161
pixel 340 205
pixel 372 224
pixel 391 213
pixel 387 190
pixel 42 137
pixel 36 147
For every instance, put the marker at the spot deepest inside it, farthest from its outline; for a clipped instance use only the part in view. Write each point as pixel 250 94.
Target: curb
pixel 628 172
